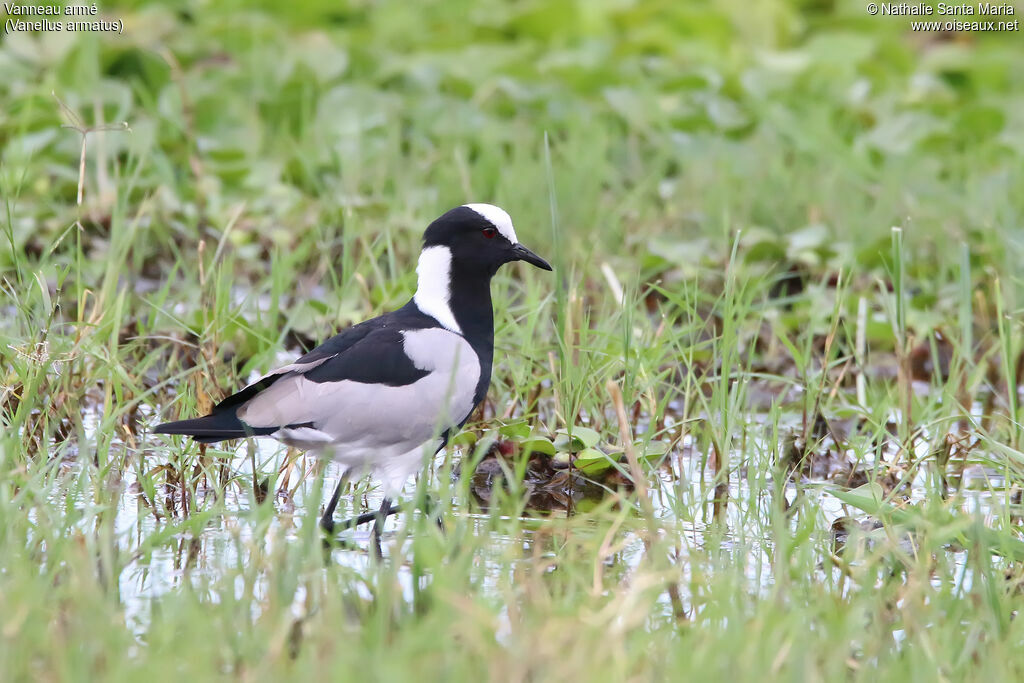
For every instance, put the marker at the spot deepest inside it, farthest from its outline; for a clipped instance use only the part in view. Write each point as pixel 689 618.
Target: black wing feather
pixel 371 353
pixel 344 340
pixel 217 426
pixel 378 358
pixel 332 347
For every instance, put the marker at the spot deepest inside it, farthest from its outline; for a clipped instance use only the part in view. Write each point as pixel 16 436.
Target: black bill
pixel 523 254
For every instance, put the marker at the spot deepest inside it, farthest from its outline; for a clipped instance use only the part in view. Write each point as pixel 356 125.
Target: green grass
pixel 717 185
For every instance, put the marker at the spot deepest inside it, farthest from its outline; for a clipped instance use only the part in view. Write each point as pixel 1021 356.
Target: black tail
pixel 218 426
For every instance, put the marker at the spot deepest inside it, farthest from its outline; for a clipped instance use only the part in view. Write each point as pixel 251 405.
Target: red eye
pixel 489 233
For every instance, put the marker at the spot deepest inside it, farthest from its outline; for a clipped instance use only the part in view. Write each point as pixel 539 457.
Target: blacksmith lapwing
pixel 380 394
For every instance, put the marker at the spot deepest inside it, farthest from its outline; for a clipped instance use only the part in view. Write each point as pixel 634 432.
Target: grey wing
pixel 381 391
pixel 319 355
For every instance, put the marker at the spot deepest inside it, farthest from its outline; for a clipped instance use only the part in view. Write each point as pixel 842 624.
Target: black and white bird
pixel 379 395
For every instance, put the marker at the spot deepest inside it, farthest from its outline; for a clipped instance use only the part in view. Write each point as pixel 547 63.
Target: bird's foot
pixel 378 517
pixel 327 525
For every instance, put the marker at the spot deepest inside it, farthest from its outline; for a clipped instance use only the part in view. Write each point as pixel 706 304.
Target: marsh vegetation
pixel 764 422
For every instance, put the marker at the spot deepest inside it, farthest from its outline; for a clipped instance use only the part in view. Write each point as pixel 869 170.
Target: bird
pixel 380 394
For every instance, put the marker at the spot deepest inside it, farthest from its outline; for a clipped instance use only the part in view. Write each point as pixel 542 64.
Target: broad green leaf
pixel 867 498
pixel 653 450
pixel 581 437
pixel 593 461
pixel 516 430
pixel 463 439
pixel 537 444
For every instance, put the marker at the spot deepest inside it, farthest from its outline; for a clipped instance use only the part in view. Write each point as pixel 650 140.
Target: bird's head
pixel 478 238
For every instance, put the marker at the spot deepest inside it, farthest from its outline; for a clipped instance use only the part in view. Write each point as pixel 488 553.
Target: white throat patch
pixel 498 217
pixel 433 286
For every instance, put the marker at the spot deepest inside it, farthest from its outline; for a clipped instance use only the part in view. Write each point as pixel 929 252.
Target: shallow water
pixel 679 493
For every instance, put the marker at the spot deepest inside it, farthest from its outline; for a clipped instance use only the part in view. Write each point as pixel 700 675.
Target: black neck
pixel 470 303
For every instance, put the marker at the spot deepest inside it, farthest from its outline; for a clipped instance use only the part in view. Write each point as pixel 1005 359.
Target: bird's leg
pixel 365 518
pixel 327 521
pixel 386 508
